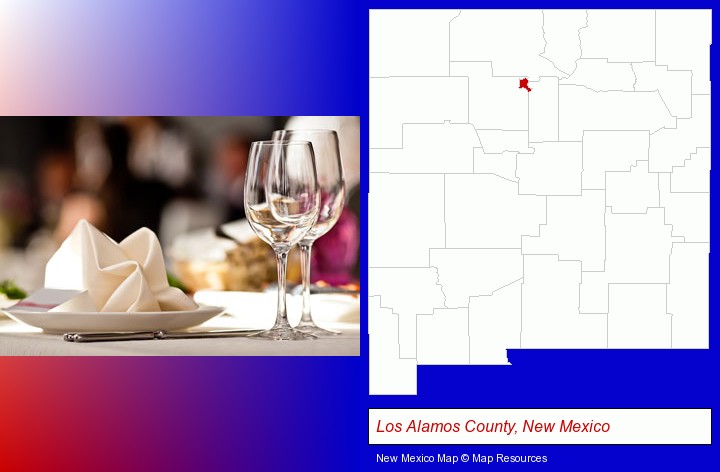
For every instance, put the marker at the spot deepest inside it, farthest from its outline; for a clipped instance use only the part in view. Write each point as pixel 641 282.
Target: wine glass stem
pixel 305 257
pixel 281 321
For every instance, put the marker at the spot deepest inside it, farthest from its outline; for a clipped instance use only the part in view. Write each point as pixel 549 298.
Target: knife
pixel 159 334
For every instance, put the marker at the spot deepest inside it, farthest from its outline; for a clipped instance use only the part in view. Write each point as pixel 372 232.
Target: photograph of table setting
pixel 184 236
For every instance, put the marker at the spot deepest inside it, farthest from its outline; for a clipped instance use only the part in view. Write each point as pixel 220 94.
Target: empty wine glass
pixel 281 203
pixel 331 181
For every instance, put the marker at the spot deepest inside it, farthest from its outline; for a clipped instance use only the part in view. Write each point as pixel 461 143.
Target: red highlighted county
pixel 524 84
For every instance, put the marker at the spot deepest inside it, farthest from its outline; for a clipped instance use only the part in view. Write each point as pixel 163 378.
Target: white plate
pixel 258 309
pixel 65 322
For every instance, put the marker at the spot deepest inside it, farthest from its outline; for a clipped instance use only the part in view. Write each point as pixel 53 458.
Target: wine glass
pixel 331 181
pixel 281 202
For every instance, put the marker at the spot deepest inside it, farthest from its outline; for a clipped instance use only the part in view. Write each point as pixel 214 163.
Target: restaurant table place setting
pixel 107 297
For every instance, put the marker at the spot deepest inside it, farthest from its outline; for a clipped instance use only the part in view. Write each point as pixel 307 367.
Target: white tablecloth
pixel 20 340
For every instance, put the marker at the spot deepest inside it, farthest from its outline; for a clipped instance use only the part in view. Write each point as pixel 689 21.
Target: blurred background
pixel 181 177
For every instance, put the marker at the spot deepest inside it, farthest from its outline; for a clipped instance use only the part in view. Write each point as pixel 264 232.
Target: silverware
pixel 315 289
pixel 159 334
pixel 345 291
pixel 119 336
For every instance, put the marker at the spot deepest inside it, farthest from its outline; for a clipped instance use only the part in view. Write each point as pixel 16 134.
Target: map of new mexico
pixel 538 179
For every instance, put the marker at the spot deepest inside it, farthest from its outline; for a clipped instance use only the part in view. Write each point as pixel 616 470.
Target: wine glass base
pixel 282 334
pixel 312 328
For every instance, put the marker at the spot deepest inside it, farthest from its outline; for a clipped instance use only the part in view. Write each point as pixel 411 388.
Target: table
pixel 20 340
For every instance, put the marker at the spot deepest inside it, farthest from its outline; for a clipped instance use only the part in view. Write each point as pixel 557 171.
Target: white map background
pixel 574 215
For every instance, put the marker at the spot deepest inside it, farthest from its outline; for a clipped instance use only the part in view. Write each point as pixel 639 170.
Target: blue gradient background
pixel 272 58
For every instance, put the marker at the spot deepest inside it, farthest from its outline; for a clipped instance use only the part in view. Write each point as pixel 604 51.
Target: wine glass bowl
pixel 282 204
pixel 330 175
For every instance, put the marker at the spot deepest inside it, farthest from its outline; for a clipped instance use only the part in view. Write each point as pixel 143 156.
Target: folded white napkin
pixel 125 277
